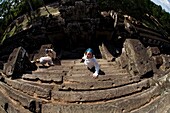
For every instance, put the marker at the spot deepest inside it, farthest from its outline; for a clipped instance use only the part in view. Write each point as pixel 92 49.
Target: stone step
pixel 58 77
pixel 136 100
pixel 50 71
pixel 82 70
pixel 31 88
pixel 104 60
pixel 56 67
pixel 2 110
pixel 97 95
pixel 167 109
pixel 109 65
pixel 101 66
pixel 106 71
pixel 78 62
pixel 68 62
pixel 28 102
pixel 79 72
pixel 100 63
pixel 161 104
pixel 56 73
pixel 45 77
pixel 72 84
pixel 8 106
pixel 125 104
pixel 85 78
pixel 78 108
pixel 100 60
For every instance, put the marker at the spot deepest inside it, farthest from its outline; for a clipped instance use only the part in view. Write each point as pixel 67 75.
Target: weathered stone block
pixel 105 53
pixel 166 63
pixel 138 59
pixel 122 60
pixel 152 51
pixel 158 61
pixel 18 62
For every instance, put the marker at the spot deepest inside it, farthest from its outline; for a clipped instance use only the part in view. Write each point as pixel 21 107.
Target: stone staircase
pixel 70 88
pixel 167 109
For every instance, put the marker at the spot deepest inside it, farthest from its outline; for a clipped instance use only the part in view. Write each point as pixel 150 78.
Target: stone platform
pixel 70 88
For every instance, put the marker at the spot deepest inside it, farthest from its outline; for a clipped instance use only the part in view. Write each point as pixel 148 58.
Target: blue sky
pixel 165 4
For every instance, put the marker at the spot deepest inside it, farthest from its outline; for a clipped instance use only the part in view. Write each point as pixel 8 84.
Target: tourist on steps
pixel 91 63
pixel 47 59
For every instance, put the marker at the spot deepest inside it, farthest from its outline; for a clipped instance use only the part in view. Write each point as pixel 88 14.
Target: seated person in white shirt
pixel 47 59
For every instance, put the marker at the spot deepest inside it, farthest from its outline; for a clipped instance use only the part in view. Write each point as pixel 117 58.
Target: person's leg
pixel 91 69
pixel 101 72
pixel 43 63
pixel 50 62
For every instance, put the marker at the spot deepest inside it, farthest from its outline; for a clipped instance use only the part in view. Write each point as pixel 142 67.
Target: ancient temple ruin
pixel 133 57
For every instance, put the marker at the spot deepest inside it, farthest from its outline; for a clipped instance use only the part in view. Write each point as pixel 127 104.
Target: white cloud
pixel 165 4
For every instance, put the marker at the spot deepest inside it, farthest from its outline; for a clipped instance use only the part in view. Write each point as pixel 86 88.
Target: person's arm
pixel 83 58
pixel 97 68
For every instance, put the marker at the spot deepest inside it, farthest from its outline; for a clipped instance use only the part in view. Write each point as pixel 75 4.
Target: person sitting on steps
pixel 47 59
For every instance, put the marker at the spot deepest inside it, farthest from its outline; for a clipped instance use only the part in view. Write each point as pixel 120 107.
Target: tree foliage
pixel 138 9
pixel 11 9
